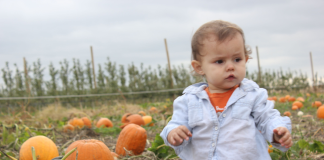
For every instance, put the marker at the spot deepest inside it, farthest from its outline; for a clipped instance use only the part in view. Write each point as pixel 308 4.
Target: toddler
pixel 229 117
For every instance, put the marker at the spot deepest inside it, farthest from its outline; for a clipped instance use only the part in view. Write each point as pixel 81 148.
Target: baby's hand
pixel 282 135
pixel 177 135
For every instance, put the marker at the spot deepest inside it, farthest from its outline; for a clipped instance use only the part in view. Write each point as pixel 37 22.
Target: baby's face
pixel 223 63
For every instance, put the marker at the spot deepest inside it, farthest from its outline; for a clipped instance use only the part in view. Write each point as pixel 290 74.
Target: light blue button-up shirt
pixel 235 134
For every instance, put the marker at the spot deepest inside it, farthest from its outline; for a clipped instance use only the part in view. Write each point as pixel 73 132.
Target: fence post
pixel 169 65
pixel 93 69
pixel 259 68
pixel 26 77
pixel 313 77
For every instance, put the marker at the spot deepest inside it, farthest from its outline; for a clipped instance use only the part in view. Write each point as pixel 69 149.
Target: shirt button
pixel 224 115
pixel 213 144
pixel 216 128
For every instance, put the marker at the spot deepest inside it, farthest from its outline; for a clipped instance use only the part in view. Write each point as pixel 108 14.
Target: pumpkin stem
pixel 33 153
pixel 69 153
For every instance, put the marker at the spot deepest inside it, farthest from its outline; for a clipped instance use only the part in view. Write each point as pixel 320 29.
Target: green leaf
pixel 160 149
pixel 303 144
pixel 274 155
pixel 316 146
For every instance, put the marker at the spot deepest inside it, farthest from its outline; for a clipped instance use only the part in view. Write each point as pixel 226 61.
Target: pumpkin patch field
pixel 131 131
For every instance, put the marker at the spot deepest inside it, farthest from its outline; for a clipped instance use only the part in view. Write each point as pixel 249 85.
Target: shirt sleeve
pixel 267 118
pixel 179 117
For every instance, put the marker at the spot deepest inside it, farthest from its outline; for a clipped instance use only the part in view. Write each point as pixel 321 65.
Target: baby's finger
pixel 183 135
pixel 176 139
pixel 287 142
pixel 185 130
pixel 284 137
pixel 280 130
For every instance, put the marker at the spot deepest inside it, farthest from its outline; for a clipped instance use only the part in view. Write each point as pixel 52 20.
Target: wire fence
pixel 10 104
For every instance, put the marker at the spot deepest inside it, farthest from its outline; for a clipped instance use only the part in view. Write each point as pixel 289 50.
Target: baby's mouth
pixel 230 77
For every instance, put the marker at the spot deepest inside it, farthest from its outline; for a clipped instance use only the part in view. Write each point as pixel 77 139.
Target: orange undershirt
pixel 219 100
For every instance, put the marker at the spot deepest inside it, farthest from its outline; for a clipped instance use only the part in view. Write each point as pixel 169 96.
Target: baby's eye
pixel 219 62
pixel 238 59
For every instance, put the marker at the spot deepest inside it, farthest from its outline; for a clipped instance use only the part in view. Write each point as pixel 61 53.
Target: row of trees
pixel 77 79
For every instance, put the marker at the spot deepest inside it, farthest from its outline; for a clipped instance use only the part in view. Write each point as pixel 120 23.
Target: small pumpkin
pixel 142 113
pixel 76 122
pixel 300 113
pixel 270 149
pixel 287 97
pixel 287 113
pixel 148 120
pixel 320 112
pixel 89 149
pixel 45 148
pixel 104 122
pixel 124 117
pixel 274 98
pixel 291 99
pixel 301 99
pixel 308 95
pixel 132 138
pixel 153 110
pixel 298 104
pixel 316 104
pixel 282 99
pixel 294 107
pixel 134 119
pixel 68 128
pixel 86 122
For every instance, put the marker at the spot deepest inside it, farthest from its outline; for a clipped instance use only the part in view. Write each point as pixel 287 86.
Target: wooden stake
pixel 311 59
pixel 169 65
pixel 26 77
pixel 259 68
pixel 93 69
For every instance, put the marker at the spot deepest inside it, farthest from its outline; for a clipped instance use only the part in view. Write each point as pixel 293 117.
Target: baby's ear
pixel 196 65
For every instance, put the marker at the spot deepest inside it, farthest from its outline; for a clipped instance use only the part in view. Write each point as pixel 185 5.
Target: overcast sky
pixel 134 31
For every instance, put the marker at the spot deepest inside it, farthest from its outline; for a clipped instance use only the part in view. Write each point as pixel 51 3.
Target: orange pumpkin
pixel 67 128
pixel 270 98
pixel 301 99
pixel 316 104
pixel 307 94
pixel 291 99
pixel 274 98
pixel 124 117
pixel 320 112
pixel 294 107
pixel 153 110
pixel 270 149
pixel 45 148
pixel 132 138
pixel 89 149
pixel 104 122
pixel 86 121
pixel 282 99
pixel 147 120
pixel 135 119
pixel 287 113
pixel 76 122
pixel 142 113
pixel 298 104
pixel 287 97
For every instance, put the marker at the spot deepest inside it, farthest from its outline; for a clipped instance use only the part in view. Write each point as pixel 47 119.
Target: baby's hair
pixel 222 30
